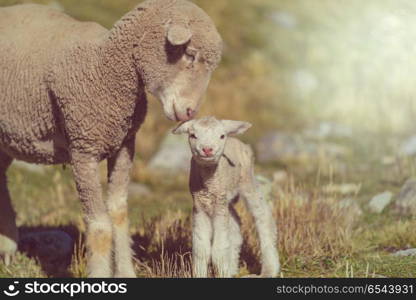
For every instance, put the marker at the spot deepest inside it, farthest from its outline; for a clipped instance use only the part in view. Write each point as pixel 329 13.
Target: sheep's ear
pixel 235 127
pixel 178 35
pixel 182 127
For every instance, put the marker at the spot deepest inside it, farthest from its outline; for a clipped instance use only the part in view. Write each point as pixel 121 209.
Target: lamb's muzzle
pixel 222 170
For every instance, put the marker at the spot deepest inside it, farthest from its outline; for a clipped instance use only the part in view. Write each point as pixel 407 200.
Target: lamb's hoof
pixel 259 276
pixel 268 276
pixel 251 276
pixel 7 259
pixel 125 274
pixel 271 271
pixel 8 248
pixel 272 274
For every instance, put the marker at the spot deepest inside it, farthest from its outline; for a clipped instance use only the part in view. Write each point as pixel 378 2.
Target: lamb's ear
pixel 182 127
pixel 178 35
pixel 235 127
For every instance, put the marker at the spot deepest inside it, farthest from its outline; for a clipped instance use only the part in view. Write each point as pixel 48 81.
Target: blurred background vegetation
pixel 288 67
pixel 288 64
pixel 244 83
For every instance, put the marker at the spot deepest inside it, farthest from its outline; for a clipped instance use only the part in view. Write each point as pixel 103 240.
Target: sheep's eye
pixel 189 57
pixel 192 136
pixel 223 137
pixel 190 54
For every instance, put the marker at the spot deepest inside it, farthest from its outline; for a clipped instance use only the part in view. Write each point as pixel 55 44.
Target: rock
pixel 408 147
pixel 265 186
pixel 332 150
pixel 49 246
pixel 284 19
pixel 407 252
pixel 350 207
pixel 280 177
pixel 173 154
pixel 138 190
pixel 304 83
pixel 279 146
pixel 327 130
pixel 388 160
pixel 379 202
pixel 56 5
pixel 34 168
pixel 405 203
pixel 285 147
pixel 342 189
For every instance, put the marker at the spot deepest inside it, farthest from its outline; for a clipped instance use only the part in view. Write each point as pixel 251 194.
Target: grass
pixel 317 237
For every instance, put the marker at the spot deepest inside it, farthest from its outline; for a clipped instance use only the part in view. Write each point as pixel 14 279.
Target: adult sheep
pixel 73 92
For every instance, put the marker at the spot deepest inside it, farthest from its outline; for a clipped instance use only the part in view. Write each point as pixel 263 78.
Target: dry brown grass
pixel 311 229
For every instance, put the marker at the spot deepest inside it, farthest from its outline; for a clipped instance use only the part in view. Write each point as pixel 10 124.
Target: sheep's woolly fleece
pixel 71 86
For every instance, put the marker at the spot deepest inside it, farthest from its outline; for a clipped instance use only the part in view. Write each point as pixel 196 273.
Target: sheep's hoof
pixel 8 248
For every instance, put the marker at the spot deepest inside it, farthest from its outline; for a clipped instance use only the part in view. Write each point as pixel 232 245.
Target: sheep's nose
pixel 207 151
pixel 190 113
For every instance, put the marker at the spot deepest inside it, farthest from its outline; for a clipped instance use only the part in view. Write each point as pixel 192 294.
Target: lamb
pixel 222 170
pixel 74 93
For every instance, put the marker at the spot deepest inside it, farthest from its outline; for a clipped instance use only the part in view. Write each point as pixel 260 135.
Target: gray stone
pixel 278 146
pixel 284 19
pixel 173 154
pixel 342 189
pixel 49 245
pixel 285 147
pixel 408 147
pixel 379 202
pixel 405 203
pixel 327 130
pixel 280 177
pixel 407 252
pixel 56 5
pixel 332 150
pixel 350 207
pixel 304 83
pixel 138 190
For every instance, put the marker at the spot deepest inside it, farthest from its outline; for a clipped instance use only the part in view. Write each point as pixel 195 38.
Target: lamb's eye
pixel 223 137
pixel 192 136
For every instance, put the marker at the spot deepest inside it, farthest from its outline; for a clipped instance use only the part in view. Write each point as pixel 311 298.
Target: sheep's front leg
pixel 221 242
pixel 8 229
pixel 99 232
pixel 118 179
pixel 266 227
pixel 201 243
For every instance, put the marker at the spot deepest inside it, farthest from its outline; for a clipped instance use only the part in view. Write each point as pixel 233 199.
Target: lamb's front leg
pixel 99 232
pixel 201 242
pixel 118 179
pixel 221 241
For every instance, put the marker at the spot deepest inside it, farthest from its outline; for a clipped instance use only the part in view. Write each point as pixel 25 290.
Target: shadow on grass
pixel 53 258
pixel 163 248
pixel 167 248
